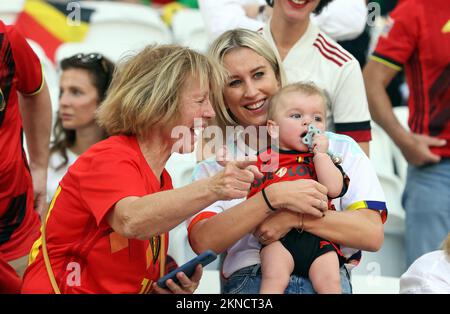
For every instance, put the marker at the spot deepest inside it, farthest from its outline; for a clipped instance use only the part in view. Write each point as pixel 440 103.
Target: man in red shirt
pixel 417 38
pixel 23 97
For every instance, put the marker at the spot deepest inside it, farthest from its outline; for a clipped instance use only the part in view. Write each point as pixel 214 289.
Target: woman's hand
pixel 235 180
pixel 303 196
pixel 277 226
pixel 186 285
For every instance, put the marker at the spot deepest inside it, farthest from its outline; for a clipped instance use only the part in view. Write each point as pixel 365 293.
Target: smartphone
pixel 189 268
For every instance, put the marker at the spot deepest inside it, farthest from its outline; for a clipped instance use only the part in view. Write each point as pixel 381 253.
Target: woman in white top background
pixel 84 81
pixel 340 19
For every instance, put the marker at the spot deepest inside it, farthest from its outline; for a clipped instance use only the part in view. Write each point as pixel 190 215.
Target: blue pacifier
pixel 308 139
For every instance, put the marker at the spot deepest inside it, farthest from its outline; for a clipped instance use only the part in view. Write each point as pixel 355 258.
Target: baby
pixel 292 111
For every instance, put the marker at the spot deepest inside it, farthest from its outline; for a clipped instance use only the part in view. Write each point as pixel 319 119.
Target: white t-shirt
pixel 364 191
pixel 430 273
pixel 53 175
pixel 318 58
pixel 335 19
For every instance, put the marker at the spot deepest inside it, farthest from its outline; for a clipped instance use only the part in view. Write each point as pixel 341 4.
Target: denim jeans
pixel 248 280
pixel 426 200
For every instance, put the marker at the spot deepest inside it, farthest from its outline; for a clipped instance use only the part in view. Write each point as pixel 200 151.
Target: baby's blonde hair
pixel 306 88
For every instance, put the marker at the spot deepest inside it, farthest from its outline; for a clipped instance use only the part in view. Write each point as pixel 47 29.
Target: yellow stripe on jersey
pixel 42 83
pixel 38 243
pixel 386 63
pixel 357 205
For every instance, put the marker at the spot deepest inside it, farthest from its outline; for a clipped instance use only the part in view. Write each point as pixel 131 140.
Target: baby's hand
pixel 320 143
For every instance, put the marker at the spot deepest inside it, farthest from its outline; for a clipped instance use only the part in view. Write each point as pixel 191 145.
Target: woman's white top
pixel 53 175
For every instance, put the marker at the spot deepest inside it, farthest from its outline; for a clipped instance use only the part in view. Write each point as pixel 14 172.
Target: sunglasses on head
pixel 91 58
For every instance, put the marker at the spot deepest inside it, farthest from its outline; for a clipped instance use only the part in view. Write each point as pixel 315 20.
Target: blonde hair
pixel 241 38
pixel 446 245
pixel 146 88
pixel 306 88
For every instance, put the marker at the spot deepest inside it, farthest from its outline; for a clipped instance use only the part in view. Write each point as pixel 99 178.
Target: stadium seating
pixel 117 29
pixel 189 29
pixel 50 74
pixel 9 10
pixel 390 166
pixel 375 284
pixel 382 151
pixel 210 282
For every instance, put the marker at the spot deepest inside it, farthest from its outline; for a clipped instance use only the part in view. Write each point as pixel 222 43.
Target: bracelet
pixel 301 228
pixel 267 200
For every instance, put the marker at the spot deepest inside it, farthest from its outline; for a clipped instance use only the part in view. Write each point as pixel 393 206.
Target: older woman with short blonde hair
pixel 107 225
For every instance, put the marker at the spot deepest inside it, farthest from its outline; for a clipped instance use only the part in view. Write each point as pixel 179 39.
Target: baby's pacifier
pixel 308 138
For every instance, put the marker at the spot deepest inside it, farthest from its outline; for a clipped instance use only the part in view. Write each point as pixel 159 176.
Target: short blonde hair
pixel 241 38
pixel 306 88
pixel 146 88
pixel 446 245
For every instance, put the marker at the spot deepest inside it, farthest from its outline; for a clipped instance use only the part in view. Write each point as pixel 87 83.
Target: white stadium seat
pixel 375 284
pixel 210 282
pixel 50 74
pixel 9 10
pixel 401 164
pixel 382 151
pixel 390 166
pixel 189 29
pixel 117 29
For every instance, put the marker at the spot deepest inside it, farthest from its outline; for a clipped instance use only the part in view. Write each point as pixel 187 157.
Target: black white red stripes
pixel 330 51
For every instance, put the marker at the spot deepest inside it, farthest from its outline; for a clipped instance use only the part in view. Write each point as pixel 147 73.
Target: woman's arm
pixel 153 214
pixel 223 230
pixel 362 229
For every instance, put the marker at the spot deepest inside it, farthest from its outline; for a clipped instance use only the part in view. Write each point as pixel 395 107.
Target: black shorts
pixel 305 248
